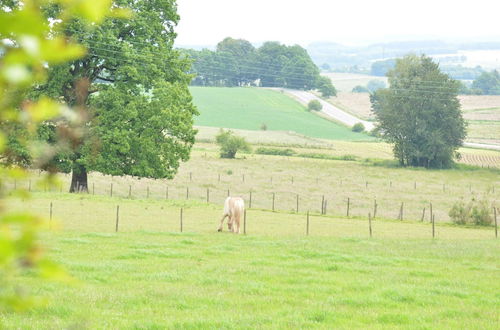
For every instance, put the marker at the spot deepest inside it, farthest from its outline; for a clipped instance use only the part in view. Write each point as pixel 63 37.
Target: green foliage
pixel 275 151
pixel 358 127
pixel 326 87
pixel 230 144
pixel 263 127
pixel 488 83
pixel 360 89
pixel 236 62
pixel 425 125
pixel 314 105
pixel 31 44
pixel 136 85
pixel 476 212
pixel 375 84
pixel 380 68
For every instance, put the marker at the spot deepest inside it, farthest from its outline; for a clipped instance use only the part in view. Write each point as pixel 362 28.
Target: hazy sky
pixel 206 22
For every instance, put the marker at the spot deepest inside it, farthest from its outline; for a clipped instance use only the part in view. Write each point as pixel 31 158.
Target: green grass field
pixel 151 276
pixel 249 108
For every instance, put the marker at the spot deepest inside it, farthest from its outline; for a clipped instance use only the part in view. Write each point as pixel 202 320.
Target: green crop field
pixel 151 276
pixel 250 108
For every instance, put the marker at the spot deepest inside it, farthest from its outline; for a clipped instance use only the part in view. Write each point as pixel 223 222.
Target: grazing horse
pixel 234 207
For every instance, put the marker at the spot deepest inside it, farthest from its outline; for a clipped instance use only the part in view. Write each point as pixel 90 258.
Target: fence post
pixel 93 190
pixel 50 216
pixel 322 204
pixel 415 185
pixel 219 177
pixel 250 201
pixel 324 208
pixel 181 220
pixel 374 208
pixel 187 192
pixel 111 190
pixel 117 217
pixel 243 178
pixel 166 193
pixel 147 193
pixel 423 215
pixel 433 220
pixel 307 224
pixel 348 205
pixel 370 223
pixel 292 179
pixel 297 203
pixel 129 191
pixel 245 222
pixel 228 193
pixel 273 201
pixel 208 195
pixel 191 176
pixel 496 224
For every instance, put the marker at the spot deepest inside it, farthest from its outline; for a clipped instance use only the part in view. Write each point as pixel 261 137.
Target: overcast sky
pixel 206 22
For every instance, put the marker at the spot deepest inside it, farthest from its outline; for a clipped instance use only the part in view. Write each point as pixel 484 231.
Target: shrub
pixel 231 144
pixel 358 128
pixel 476 212
pixel 360 89
pixel 314 105
pixel 275 151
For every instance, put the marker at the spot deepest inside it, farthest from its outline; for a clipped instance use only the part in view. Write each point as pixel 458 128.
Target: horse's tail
pixel 239 208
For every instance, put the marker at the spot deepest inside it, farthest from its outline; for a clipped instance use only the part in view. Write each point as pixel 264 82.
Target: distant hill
pixel 250 108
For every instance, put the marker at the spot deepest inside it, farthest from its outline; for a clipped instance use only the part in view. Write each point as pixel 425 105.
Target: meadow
pixel 149 275
pixel 251 108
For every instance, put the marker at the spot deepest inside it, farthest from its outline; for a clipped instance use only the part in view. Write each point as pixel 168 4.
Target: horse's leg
pixel 230 223
pixel 236 224
pixel 222 222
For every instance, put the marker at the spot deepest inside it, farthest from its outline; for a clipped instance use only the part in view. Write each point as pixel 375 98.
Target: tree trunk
pixel 79 179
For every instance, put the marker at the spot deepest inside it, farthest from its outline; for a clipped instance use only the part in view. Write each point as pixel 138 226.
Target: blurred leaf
pixel 16 74
pixel 92 10
pixel 26 21
pixel 43 110
pixel 58 50
pixel 53 271
pixel 2 142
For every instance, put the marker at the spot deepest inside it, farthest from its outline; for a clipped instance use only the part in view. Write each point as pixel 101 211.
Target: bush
pixel 231 144
pixel 314 105
pixel 263 127
pixel 275 151
pixel 360 89
pixel 358 128
pixel 476 212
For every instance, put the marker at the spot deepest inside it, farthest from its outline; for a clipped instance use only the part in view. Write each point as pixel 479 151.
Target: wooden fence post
pixel 111 190
pixel 370 223
pixel 147 193
pixel 423 215
pixel 117 217
pixel 322 203
pixel 29 186
pixel 348 205
pixel 273 201
pixel 243 178
pixel 250 201
pixel 401 211
pixel 375 208
pixel 324 207
pixel 50 216
pixel 208 195
pixel 93 190
pixel 190 176
pixel 433 220
pixel 129 191
pixel 187 192
pixel 228 193
pixel 496 224
pixel 307 224
pixel 181 220
pixel 166 193
pixel 219 178
pixel 245 222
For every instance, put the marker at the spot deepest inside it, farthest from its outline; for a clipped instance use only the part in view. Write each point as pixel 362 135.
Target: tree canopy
pixel 235 62
pixel 488 83
pixel 420 113
pixel 135 84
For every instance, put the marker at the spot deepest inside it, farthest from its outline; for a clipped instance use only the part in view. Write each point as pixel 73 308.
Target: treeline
pixel 236 62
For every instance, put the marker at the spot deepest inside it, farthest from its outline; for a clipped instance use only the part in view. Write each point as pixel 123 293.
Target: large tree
pixel 420 113
pixel 135 85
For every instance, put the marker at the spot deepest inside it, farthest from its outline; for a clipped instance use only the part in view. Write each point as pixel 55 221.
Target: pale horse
pixel 234 207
